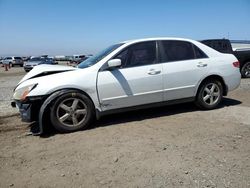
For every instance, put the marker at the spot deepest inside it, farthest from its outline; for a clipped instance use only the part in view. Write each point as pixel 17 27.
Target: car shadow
pixel 138 115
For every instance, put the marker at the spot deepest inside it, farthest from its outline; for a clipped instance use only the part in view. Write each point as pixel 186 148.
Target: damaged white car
pixel 128 75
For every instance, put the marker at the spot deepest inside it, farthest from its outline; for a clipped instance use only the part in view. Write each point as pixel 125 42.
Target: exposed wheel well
pixel 215 77
pixel 45 108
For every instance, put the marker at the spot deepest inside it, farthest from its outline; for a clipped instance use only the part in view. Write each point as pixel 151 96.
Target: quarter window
pixel 198 53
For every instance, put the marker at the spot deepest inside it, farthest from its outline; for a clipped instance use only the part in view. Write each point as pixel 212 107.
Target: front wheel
pixel 245 71
pixel 72 111
pixel 209 94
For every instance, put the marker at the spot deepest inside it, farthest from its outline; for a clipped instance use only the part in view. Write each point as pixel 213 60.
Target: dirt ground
pixel 174 146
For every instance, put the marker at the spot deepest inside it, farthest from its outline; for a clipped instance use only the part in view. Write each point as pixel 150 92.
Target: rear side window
pixel 176 51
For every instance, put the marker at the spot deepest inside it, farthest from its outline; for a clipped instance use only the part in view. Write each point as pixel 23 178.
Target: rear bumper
pixel 17 63
pixel 233 81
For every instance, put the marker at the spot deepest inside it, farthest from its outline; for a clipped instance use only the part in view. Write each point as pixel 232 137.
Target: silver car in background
pixel 13 61
pixel 30 64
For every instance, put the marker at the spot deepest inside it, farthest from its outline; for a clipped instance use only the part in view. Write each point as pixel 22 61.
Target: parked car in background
pixel 13 61
pixel 30 64
pixel 126 76
pixel 75 60
pixel 26 58
pixel 242 54
pixel 1 61
pixel 77 57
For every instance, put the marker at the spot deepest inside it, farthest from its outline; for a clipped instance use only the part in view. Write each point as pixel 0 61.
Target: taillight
pixel 236 64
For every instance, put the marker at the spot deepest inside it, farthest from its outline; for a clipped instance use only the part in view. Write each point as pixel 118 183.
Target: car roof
pixel 156 38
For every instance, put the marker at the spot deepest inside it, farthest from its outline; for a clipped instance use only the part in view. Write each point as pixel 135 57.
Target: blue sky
pixel 65 27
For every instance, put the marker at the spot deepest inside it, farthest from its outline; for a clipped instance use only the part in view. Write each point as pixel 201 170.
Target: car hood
pixel 43 70
pixel 33 62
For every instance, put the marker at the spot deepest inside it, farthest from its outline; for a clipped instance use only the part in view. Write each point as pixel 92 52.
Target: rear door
pixel 184 65
pixel 138 81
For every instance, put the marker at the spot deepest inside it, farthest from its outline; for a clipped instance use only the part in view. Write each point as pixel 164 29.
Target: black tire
pixel 208 98
pixel 245 70
pixel 69 112
pixel 21 65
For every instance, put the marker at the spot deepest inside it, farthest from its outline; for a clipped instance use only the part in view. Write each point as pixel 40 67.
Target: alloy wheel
pixel 71 112
pixel 211 94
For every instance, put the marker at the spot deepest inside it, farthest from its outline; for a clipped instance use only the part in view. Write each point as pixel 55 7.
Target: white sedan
pixel 129 75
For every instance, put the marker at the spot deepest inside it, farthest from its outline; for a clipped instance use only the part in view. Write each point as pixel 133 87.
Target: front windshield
pixel 94 59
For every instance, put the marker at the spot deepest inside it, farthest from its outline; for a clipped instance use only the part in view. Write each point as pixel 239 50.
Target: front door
pixel 138 81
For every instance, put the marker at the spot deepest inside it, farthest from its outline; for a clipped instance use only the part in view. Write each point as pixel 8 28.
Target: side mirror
pixel 114 63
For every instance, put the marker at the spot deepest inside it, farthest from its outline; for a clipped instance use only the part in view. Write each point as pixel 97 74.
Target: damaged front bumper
pixel 35 108
pixel 29 109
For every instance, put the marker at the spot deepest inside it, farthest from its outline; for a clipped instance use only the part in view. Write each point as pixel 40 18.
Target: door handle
pixel 200 64
pixel 153 72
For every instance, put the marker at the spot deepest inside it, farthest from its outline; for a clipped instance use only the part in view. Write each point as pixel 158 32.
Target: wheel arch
pixel 214 77
pixel 45 108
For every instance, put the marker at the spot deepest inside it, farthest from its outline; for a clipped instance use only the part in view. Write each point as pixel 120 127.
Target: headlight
pixel 22 93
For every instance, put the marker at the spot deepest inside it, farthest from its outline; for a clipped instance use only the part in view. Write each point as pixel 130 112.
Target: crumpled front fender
pixel 44 108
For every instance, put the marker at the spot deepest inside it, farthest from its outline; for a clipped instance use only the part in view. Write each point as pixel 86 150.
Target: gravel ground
pixel 8 81
pixel 175 146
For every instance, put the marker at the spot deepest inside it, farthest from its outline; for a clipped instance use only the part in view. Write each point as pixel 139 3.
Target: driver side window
pixel 139 54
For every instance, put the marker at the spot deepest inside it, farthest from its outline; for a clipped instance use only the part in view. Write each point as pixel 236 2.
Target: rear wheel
pixel 209 94
pixel 72 111
pixel 245 71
